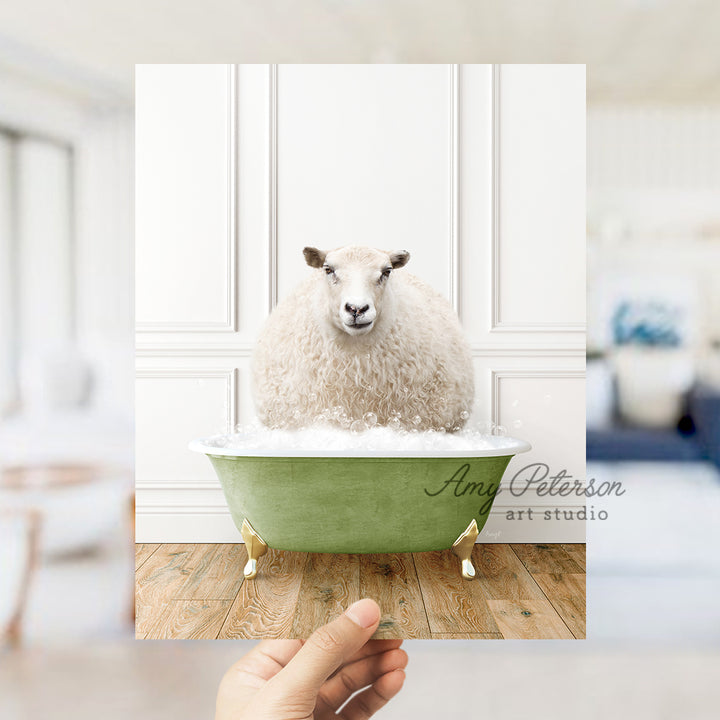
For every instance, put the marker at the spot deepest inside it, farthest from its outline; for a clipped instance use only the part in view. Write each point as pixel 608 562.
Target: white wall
pixel 478 170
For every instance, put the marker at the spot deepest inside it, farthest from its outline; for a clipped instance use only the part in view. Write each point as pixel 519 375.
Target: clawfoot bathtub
pixel 357 502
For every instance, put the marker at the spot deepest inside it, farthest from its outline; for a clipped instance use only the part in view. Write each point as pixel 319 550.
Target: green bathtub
pixel 324 502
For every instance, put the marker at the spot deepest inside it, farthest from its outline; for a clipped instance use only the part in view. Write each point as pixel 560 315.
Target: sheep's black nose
pixel 355 310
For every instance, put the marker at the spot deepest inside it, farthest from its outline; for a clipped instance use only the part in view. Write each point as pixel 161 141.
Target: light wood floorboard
pixel 392 581
pixel 142 552
pixel 566 592
pixel 330 584
pixel 265 606
pixel 452 604
pixel 521 591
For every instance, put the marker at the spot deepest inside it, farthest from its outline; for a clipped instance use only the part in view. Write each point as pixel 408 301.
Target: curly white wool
pixel 413 370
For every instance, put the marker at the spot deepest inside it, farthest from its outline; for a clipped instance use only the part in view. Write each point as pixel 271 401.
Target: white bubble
pixel 417 420
pixel 464 415
pixel 358 426
pixel 500 430
pixel 517 424
pixel 370 419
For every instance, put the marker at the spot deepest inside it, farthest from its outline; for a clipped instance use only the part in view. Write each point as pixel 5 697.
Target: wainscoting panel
pixel 538 245
pixel 365 157
pixel 173 406
pixel 185 198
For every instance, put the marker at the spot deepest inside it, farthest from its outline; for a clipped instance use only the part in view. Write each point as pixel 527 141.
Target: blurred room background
pixel 66 356
pixel 66 401
pixel 653 364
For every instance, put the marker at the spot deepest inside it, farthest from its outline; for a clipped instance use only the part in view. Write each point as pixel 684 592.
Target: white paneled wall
pixel 366 157
pixel 185 133
pixel 541 199
pixel 477 170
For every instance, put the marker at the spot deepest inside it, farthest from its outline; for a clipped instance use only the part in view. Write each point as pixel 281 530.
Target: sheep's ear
pixel 314 257
pixel 399 258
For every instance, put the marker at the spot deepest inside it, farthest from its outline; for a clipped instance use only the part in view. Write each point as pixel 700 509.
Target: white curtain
pixel 37 269
pixel 8 340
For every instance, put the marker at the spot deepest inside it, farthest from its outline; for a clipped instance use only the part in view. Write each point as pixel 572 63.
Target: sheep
pixel 362 335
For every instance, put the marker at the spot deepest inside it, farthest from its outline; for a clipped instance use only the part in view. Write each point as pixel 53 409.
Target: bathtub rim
pixel 201 445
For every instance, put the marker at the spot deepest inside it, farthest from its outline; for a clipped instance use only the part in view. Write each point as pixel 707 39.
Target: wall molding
pixel 178 485
pixel 530 352
pixel 497 375
pixel 206 525
pixel 535 327
pixel 235 350
pixel 152 509
pixel 229 325
pixel 159 509
pixel 191 486
pixel 454 245
pixel 497 324
pixel 243 350
pixel 502 509
pixel 229 375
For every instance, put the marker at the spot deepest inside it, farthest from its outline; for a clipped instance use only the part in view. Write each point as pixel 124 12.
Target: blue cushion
pixel 629 443
pixel 704 406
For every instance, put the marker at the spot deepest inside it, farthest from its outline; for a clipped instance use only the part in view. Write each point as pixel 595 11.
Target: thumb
pixel 328 648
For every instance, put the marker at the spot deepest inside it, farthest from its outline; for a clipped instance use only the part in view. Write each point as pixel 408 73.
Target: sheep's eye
pixel 328 270
pixel 385 273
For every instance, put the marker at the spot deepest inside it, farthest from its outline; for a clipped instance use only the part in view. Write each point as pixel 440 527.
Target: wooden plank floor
pixel 520 592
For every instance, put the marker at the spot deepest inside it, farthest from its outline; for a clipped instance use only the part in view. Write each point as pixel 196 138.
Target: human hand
pixel 312 679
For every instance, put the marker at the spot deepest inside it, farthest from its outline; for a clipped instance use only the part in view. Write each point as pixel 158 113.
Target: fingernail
pixel 364 612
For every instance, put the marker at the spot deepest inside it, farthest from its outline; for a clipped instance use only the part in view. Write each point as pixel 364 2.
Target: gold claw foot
pixel 463 546
pixel 256 547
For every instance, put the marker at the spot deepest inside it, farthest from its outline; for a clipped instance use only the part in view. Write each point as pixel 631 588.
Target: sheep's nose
pixel 355 310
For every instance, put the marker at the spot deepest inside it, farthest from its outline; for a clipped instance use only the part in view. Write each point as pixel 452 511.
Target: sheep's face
pixel 356 279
